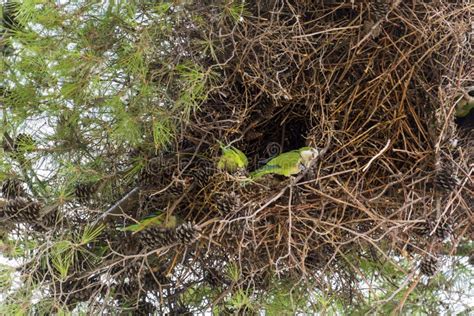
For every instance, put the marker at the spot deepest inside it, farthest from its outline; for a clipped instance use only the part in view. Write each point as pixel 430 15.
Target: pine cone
pixel 429 266
pixel 199 170
pixel 422 229
pixel 129 277
pixel 49 219
pixel 149 175
pixel 187 233
pixel 200 176
pixel 85 191
pixel 175 190
pixel 146 180
pixel 445 181
pixel 442 232
pixel 13 188
pixel 133 271
pixel 157 166
pixel 22 210
pixel 156 237
pixel 226 202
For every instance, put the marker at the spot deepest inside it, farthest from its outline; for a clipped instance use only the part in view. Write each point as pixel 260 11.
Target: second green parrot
pixel 150 221
pixel 289 163
pixel 232 160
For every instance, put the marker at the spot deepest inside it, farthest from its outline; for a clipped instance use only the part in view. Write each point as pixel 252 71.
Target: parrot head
pixel 308 154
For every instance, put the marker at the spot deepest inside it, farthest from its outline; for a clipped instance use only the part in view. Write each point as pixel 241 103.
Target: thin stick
pixel 376 156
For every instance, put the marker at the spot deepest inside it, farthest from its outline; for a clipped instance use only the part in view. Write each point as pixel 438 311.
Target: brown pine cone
pixel 134 269
pixel 13 188
pixel 445 181
pixel 50 218
pixel 156 237
pixel 429 266
pixel 85 191
pixel 442 232
pixel 22 210
pixel 187 233
pixel 200 175
pixel 226 202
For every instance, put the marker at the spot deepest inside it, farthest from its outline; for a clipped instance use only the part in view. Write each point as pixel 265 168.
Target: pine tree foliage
pixel 113 111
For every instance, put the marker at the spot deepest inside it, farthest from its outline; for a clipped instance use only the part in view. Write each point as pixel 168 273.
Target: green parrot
pixel 151 220
pixel 289 163
pixel 232 160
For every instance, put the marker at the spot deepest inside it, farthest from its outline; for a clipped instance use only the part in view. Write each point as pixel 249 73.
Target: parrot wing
pixel 152 220
pixel 223 162
pixel 287 160
pixel 267 169
pixel 139 226
pixel 285 164
pixel 242 160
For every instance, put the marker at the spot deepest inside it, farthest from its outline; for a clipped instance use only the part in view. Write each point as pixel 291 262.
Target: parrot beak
pixel 309 155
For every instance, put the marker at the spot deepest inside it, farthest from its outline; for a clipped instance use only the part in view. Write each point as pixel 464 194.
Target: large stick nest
pixel 383 94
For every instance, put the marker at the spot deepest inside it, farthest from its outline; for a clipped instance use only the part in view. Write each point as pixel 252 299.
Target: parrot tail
pixel 263 171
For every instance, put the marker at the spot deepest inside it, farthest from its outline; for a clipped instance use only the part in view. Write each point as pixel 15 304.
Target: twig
pixel 376 156
pixel 125 204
